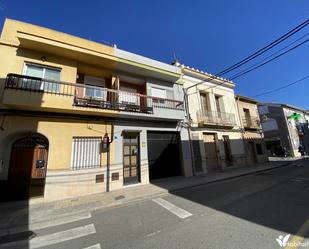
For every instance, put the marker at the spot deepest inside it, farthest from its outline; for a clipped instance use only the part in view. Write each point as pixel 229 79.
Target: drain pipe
pixel 108 141
pixel 188 126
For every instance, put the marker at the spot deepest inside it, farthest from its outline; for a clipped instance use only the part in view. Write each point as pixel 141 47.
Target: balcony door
pixel 95 87
pixel 42 72
pixel 129 95
pixel 205 102
pixel 247 117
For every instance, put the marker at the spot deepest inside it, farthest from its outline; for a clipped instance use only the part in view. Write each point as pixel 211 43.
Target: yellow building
pixel 63 99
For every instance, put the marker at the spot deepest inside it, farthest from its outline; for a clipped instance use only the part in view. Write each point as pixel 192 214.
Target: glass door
pixel 131 160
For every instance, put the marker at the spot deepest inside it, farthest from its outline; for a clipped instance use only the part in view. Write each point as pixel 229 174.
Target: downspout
pixel 242 129
pixel 188 119
pixel 108 159
pixel 188 126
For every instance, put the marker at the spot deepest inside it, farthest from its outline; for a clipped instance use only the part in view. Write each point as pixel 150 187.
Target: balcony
pixel 216 118
pixel 251 122
pixel 81 95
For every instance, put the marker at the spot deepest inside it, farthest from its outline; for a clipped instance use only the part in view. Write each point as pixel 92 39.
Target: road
pixel 246 212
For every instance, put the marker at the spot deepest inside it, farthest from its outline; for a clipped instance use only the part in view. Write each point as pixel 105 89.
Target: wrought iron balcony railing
pixel 92 96
pixel 251 122
pixel 216 118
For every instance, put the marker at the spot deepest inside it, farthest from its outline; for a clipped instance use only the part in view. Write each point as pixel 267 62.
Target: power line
pixel 282 87
pixel 271 55
pixel 254 55
pixel 266 48
pixel 266 62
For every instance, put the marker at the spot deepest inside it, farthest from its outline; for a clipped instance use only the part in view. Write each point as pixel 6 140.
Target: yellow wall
pixel 12 30
pixel 59 132
pixel 16 59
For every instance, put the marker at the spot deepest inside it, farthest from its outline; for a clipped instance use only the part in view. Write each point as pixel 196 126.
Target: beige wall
pixel 227 93
pixel 247 105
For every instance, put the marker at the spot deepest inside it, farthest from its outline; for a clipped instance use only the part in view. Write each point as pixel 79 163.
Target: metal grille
pixel 31 142
pixel 86 153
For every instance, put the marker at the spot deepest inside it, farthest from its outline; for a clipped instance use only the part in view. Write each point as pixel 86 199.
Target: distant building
pixel 252 130
pixel 285 128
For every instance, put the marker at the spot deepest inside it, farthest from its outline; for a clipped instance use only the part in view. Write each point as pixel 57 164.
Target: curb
pixel 164 191
pixel 181 189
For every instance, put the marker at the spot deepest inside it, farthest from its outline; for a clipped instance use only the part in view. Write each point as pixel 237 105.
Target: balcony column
pixel 115 86
pixel 115 83
pixel 212 102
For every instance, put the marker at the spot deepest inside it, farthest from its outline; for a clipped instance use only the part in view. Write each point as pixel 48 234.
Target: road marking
pixel 46 224
pixel 96 246
pixel 154 233
pixel 181 213
pixel 54 238
pixel 299 237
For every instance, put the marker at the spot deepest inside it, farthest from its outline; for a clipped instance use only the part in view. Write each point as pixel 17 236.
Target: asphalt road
pixel 247 212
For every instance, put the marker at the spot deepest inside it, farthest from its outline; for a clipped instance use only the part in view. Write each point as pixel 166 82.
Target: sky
pixel 207 35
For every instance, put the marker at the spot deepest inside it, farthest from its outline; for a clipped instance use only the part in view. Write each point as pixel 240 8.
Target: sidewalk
pixel 15 214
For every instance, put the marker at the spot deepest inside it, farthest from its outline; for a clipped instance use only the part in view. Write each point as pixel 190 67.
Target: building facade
pixel 80 117
pixel 285 128
pixel 215 129
pixel 252 130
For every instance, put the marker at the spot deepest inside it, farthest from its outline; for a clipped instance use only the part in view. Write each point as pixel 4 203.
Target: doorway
pixel 131 158
pixel 210 146
pixel 163 154
pixel 252 157
pixel 28 165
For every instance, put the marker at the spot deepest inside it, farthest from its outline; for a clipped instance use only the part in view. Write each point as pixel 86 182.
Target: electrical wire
pixel 266 62
pixel 254 55
pixel 282 87
pixel 266 48
pixel 271 55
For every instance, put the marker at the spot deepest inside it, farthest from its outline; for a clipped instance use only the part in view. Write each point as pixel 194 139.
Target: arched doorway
pixel 28 164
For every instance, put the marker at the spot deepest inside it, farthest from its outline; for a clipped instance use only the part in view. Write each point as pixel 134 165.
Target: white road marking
pixel 46 224
pixel 181 213
pixel 154 233
pixel 96 246
pixel 54 238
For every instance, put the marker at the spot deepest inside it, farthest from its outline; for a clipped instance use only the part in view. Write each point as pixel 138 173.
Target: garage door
pixel 163 154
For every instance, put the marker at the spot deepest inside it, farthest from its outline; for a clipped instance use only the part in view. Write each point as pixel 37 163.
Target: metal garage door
pixel 163 154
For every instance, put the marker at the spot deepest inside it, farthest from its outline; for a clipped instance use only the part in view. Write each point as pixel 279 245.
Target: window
pixel 218 99
pixel 95 87
pixel 86 153
pixel 247 117
pixel 128 95
pixel 205 102
pixel 270 125
pixel 259 149
pixel 42 72
pixel 160 94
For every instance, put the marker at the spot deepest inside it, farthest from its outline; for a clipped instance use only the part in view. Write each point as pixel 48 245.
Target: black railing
pixel 92 96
